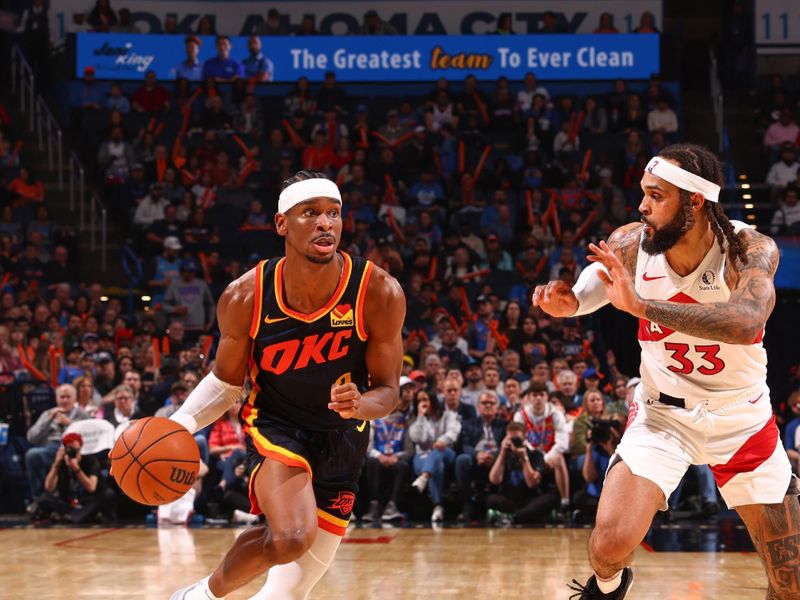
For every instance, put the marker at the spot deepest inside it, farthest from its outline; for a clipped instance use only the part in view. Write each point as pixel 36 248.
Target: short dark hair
pixel 535 387
pixel 513 426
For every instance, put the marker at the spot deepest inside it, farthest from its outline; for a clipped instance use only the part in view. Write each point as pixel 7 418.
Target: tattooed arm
pixel 742 318
pixel 738 321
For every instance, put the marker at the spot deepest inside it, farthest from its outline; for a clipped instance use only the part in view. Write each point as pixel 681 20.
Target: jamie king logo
pixel 126 58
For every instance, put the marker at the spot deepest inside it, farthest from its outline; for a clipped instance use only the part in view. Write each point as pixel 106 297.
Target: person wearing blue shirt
pixel 190 68
pixel 116 101
pixel 256 66
pixel 222 67
pixel 602 441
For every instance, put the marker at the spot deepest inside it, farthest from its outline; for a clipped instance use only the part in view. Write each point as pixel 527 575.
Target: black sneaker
pixel 590 591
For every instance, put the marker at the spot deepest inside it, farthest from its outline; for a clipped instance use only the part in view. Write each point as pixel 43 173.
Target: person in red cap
pixel 72 491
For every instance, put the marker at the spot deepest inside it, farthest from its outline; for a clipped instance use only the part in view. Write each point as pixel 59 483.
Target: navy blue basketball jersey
pixel 297 357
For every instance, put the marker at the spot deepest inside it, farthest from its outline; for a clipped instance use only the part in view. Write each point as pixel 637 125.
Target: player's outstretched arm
pixel 742 318
pixel 384 313
pixel 558 299
pixel 223 385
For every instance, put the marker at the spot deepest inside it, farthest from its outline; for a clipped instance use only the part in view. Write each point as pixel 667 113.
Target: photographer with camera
pixel 593 409
pixel 601 442
pixel 45 435
pixel 71 487
pixel 517 472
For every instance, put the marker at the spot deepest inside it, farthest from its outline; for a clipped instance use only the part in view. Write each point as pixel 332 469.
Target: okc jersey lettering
pixel 297 357
pixel 279 358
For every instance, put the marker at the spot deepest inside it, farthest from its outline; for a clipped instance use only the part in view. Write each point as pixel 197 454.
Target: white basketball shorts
pixel 739 441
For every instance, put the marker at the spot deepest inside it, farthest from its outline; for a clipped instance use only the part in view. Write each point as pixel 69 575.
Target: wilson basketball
pixel 155 461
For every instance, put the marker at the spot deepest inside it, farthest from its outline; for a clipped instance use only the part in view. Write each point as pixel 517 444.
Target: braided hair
pixel 701 161
pixel 302 176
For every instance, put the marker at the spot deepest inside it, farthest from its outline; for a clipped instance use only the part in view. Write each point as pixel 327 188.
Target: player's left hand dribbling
pixel 345 400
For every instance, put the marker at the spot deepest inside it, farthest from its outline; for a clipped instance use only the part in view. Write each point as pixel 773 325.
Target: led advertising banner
pixel 377 58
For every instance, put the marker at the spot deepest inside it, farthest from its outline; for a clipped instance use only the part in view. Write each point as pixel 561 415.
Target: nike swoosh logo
pixel 756 400
pixel 646 278
pixel 361 427
pixel 267 320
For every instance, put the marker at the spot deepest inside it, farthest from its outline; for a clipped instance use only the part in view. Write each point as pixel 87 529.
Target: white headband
pixel 661 167
pixel 306 190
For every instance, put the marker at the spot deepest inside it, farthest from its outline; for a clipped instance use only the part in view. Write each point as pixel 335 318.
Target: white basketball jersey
pixel 682 365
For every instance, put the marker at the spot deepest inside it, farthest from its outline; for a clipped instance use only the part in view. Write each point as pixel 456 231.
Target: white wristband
pixel 207 403
pixel 589 290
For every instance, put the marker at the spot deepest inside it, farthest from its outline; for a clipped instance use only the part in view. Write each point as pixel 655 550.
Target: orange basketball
pixel 155 461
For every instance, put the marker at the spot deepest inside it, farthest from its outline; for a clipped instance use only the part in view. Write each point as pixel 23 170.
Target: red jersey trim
pixel 753 453
pixel 361 330
pixel 257 300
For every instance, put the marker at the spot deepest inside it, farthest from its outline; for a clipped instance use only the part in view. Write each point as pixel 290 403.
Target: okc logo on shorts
pixel 342 316
pixel 344 502
pixel 633 410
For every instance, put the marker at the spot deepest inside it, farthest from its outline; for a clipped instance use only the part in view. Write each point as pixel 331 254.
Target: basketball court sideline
pixel 677 562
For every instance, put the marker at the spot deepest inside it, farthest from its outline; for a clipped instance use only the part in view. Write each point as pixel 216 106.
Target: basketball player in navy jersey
pixel 319 334
pixel 702 289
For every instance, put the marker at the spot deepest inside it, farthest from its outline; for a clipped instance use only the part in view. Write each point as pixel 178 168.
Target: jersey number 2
pixel 708 354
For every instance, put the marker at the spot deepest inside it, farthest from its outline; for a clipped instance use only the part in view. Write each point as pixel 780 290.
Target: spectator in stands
pixel 480 440
pixel 784 172
pixel 72 488
pixel 165 269
pixel 388 458
pixel 647 23
pixel 88 398
pixel 125 25
pixel 222 68
pixel 102 17
pixel 593 410
pixel 434 433
pixel 595 119
pixel 529 91
pixel 123 410
pixel 105 376
pixel 273 25
pixel 319 155
pixel 550 24
pixel 518 470
pixel 170 26
pixel 791 439
pixel 606 24
pixel 190 301
pixel 786 219
pixel 256 66
pixel 190 68
pixel 31 268
pixel 601 444
pixel 88 96
pixel 331 96
pixel 46 433
pixel 25 188
pixel 116 157
pixel 248 118
pixel 374 25
pixel 308 26
pixel 150 97
pixel 151 207
pixel 546 430
pixel 504 25
pixel 205 26
pixel 116 100
pixel 782 131
pixel 662 118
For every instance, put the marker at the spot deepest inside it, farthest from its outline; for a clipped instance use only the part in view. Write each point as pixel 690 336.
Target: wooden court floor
pixel 388 564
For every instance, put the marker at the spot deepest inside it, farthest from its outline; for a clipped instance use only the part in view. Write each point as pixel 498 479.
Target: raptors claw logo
pixel 344 502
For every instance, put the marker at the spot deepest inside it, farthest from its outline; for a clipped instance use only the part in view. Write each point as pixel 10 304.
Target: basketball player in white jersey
pixel 702 289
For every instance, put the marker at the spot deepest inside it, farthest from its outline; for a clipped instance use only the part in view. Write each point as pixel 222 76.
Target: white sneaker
pixel 239 516
pixel 421 483
pixel 390 513
pixel 438 514
pixel 196 591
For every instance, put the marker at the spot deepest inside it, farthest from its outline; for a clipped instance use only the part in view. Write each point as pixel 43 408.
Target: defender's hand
pixel 618 281
pixel 556 299
pixel 345 400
